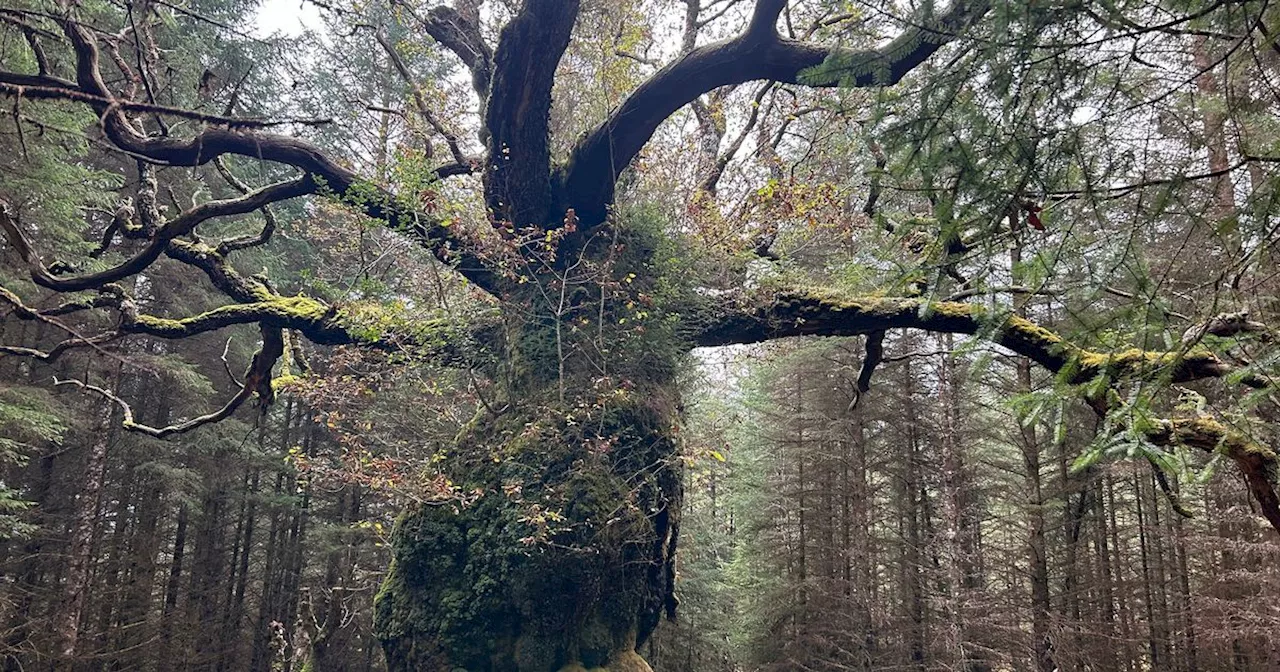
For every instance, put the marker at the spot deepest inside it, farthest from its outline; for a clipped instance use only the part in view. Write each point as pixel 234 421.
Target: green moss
pixel 629 661
pixel 561 560
pixel 565 557
pixel 1136 362
pixel 294 311
pixel 1207 433
pixel 281 382
pixel 1035 333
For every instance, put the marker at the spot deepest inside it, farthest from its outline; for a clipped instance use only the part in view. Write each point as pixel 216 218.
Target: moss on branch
pixel 818 313
pixel 1259 464
pixel 310 316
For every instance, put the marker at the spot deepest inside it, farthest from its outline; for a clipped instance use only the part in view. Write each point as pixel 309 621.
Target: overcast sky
pixel 290 17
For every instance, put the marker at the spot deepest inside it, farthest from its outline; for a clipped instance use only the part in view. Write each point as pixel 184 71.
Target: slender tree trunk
pixel 802 486
pixel 1190 653
pixel 1108 653
pixel 80 545
pixel 242 577
pixel 913 561
pixel 1154 642
pixel 1214 120
pixel 29 575
pixel 108 580
pixel 953 509
pixel 134 623
pixel 1037 546
pixel 172 588
pixel 265 624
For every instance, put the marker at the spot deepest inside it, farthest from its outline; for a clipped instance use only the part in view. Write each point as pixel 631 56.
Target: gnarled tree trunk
pixel 571 569
pixel 555 548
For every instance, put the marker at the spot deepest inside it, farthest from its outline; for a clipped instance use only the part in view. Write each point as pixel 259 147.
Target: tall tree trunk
pixel 134 622
pixel 1190 648
pixel 1037 546
pixel 1155 645
pixel 953 514
pixel 236 618
pixel 173 587
pixel 76 582
pixel 1108 653
pixel 30 570
pixel 913 514
pixel 265 624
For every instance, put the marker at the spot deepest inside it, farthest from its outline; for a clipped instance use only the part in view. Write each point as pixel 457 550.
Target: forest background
pixel 904 500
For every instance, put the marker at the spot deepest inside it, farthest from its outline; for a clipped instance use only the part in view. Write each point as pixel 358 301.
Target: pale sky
pixel 290 17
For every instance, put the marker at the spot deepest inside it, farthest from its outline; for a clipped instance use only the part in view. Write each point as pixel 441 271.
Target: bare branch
pixel 268 215
pixel 1227 325
pixel 11 85
pixel 468 166
pixel 586 182
pixel 179 226
pixel 33 41
pixel 419 99
pixel 712 178
pixel 257 381
pixel 322 172
pixel 971 292
pixel 77 340
pixel 51 355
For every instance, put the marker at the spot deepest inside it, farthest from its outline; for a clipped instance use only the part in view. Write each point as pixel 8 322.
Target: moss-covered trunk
pixel 558 552
pixel 562 559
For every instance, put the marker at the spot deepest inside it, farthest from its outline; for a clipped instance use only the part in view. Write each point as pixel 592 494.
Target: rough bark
pixel 517 177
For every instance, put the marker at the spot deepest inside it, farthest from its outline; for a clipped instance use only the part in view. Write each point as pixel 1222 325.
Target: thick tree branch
pixel 586 182
pixel 1259 464
pixel 440 339
pixel 874 355
pixel 316 320
pixel 458 30
pixel 809 314
pixel 323 174
pixel 517 176
pixel 467 167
